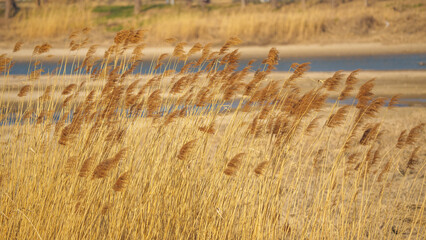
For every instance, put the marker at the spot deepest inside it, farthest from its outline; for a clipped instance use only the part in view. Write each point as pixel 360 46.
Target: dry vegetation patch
pixel 205 151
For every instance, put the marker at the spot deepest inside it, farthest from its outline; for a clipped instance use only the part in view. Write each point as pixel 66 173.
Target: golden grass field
pixel 117 155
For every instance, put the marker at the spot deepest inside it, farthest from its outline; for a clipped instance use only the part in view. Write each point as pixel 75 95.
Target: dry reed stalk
pixel 414 134
pixel 34 75
pixel 369 111
pixel 179 85
pixel 69 89
pixel 27 114
pixel 154 102
pixel 122 182
pixel 171 117
pixel 272 59
pixel 265 111
pixel 351 80
pixel 106 208
pixel 196 48
pixel 299 70
pixel 393 101
pixel 253 84
pixel 178 51
pixel 24 90
pixel 203 97
pixel 185 68
pixel 374 159
pixel 86 167
pixel 369 134
pixel 70 164
pixel 385 169
pixel 332 83
pixel 401 139
pixel 6 63
pixel 233 165
pixel 412 162
pixel 312 125
pixel 186 149
pixel 260 168
pixel 67 101
pixel 18 46
pixel 137 51
pixel 204 55
pixel 104 167
pixel 170 40
pixel 253 125
pixel 231 90
pixel 129 98
pixel 183 112
pixel 338 118
pixel 281 125
pixel 41 117
pixel 210 129
pixel 233 41
pixel 116 135
pixel 364 93
pixel 46 95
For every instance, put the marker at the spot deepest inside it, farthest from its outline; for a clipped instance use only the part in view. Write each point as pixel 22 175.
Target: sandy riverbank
pixel 248 52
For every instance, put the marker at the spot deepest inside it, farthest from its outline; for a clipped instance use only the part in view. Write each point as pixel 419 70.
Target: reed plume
pixel 299 70
pixel 272 59
pixel 46 95
pixel 104 167
pixel 178 51
pixel 171 117
pixel 70 164
pixel 186 149
pixel 154 102
pixel 394 101
pixel 385 169
pixel 27 114
pixel 369 134
pixel 401 139
pixel 24 90
pixel 312 125
pixel 414 134
pixel 412 162
pixel 210 129
pixel 332 83
pixel 260 168
pixel 364 93
pixel 34 75
pixel 170 40
pixel 203 97
pixel 86 167
pixel 69 89
pixel 338 118
pixel 351 80
pixel 122 182
pixel 233 165
pixel 233 41
pixel 196 48
pixel 18 46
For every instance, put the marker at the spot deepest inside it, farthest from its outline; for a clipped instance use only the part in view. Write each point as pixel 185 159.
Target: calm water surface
pixel 318 64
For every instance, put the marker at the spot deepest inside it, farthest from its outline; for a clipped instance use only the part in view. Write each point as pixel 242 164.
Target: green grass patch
pixel 111 12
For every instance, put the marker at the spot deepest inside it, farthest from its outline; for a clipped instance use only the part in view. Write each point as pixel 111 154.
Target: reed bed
pixel 205 151
pixel 390 21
